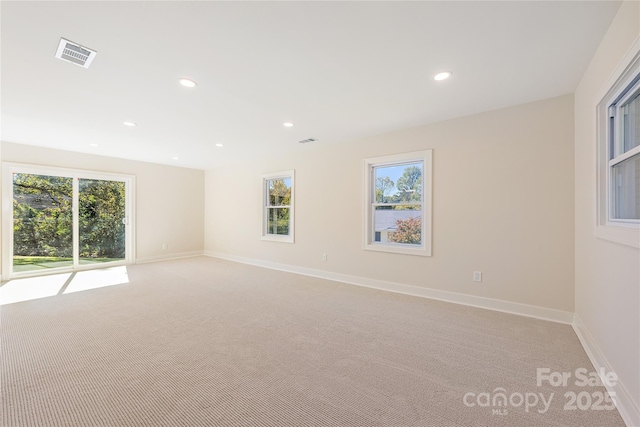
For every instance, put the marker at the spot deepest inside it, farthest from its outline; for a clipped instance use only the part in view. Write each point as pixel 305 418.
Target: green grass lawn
pixel 28 260
pixel 27 263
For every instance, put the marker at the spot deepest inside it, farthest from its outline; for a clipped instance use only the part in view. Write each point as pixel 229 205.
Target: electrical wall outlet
pixel 324 257
pixel 164 246
pixel 477 276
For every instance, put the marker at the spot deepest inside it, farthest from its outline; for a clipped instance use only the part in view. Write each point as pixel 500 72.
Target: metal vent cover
pixel 304 141
pixel 75 53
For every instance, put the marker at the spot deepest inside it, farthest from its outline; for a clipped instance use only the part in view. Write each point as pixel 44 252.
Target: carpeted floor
pixel 204 342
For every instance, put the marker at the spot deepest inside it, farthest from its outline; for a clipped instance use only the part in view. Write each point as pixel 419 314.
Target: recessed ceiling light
pixel 442 76
pixel 187 82
pixel 130 124
pixel 287 124
pixel 219 145
pixel 175 158
pixel 93 145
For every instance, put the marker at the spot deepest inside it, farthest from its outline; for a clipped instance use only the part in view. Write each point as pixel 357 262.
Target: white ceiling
pixel 338 70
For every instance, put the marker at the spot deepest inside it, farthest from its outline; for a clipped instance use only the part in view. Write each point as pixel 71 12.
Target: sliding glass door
pixel 65 220
pixel 42 222
pixel 101 218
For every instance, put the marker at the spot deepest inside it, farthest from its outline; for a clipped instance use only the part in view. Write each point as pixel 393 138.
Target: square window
pixel 398 203
pixel 618 168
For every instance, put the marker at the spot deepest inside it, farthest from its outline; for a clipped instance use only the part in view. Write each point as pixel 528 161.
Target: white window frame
pixel 8 169
pixel 369 243
pixel 622 84
pixel 289 238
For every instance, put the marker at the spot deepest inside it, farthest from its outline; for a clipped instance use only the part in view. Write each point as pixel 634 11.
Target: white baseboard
pixel 629 410
pixel 470 300
pixel 144 260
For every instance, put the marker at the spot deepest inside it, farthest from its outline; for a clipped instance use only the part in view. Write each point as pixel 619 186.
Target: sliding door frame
pixel 8 169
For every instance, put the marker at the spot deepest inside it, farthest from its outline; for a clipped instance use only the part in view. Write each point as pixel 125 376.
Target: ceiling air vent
pixel 73 52
pixel 304 141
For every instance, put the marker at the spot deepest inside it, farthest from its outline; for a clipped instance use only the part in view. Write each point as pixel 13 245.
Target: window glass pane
pixel 626 180
pixel 278 221
pixel 630 121
pixel 101 215
pixel 42 222
pixel 398 224
pixel 279 192
pixel 398 183
pixel 611 136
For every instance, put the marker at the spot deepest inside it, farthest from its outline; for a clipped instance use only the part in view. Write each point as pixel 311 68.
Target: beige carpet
pixel 203 342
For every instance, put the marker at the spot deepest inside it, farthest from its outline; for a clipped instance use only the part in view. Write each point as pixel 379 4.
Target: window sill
pixel 623 235
pixel 276 238
pixel 417 251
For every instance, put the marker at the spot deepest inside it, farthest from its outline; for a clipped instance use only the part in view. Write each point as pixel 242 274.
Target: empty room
pixel 320 213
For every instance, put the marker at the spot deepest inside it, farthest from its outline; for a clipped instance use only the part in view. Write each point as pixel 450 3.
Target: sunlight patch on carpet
pixel 85 280
pixel 32 288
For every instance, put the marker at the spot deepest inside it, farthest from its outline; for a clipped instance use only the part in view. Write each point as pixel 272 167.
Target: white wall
pixel 1 245
pixel 607 295
pixel 503 204
pixel 169 200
